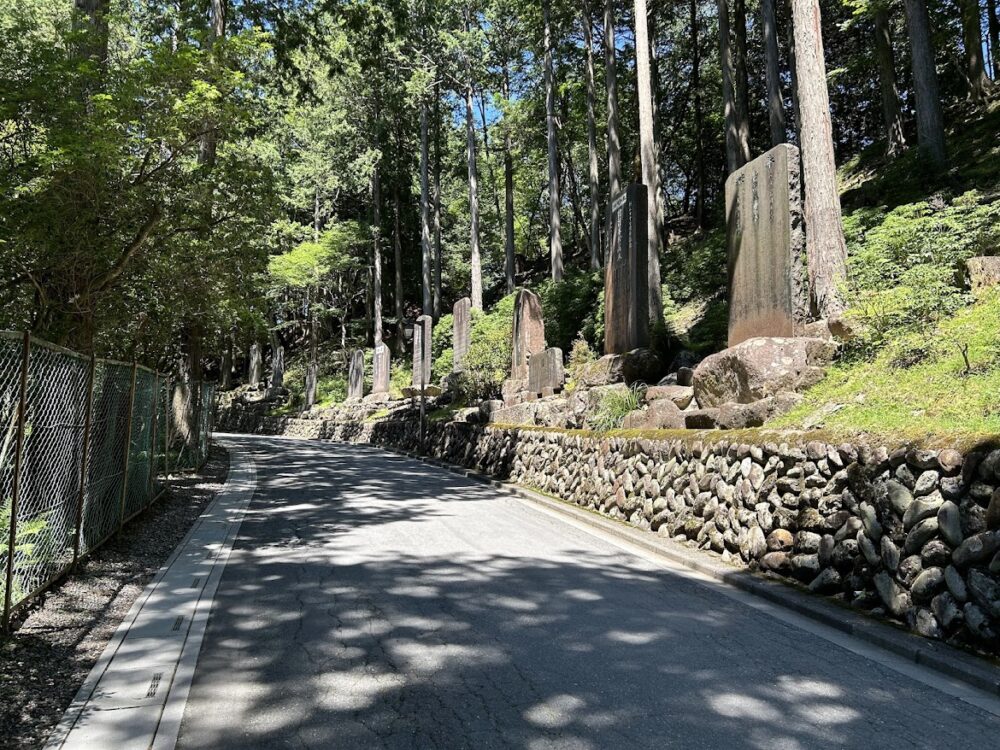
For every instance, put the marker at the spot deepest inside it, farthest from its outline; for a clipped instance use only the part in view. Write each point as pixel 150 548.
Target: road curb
pixel 948 660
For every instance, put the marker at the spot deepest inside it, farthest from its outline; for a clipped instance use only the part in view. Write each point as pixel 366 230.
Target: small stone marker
pixel 768 285
pixel 546 374
pixel 462 316
pixel 256 369
pixel 422 351
pixel 356 375
pixel 529 332
pixel 626 284
pixel 380 369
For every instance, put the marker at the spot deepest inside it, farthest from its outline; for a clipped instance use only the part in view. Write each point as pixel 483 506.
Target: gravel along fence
pixel 83 444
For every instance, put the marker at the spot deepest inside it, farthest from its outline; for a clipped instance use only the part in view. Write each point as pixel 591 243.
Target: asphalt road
pixel 373 601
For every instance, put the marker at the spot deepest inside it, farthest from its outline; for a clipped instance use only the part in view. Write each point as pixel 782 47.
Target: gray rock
pixel 995 564
pixel 895 599
pixel 908 569
pixel 984 591
pixel 952 487
pixel 826 547
pixel 777 562
pixel 868 549
pixel 827 581
pixel 946 610
pixel 844 554
pixel 925 624
pixel 950 523
pixel 807 542
pixel 978 623
pixel 920 534
pixel 926 584
pixel 921 508
pixel 849 530
pixel 889 554
pixel 680 395
pixel 870 521
pixel 976 548
pixel 956 584
pixel 935 552
pixel 899 496
pixel 922 459
pixel 926 483
pixel 701 419
pixel 950 461
pixel 993 511
pixel 756 544
pixel 806 566
pixel 760 367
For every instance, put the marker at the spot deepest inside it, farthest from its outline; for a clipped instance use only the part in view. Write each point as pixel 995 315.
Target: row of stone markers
pixel 774 351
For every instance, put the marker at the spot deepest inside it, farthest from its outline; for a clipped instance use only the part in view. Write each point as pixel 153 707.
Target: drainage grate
pixel 177 622
pixel 154 684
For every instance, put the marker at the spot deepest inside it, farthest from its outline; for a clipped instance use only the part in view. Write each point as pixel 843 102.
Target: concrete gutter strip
pixel 134 696
pixel 941 657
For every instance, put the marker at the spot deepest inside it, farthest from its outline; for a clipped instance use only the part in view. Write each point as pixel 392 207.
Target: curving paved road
pixel 373 601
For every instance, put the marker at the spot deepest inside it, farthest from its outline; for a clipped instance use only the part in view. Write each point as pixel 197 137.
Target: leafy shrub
pixel 573 307
pixel 487 363
pixel 613 407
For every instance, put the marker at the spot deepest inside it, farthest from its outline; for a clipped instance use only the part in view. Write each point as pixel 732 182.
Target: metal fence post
pixel 155 400
pixel 128 447
pixel 88 417
pixel 16 484
pixel 168 411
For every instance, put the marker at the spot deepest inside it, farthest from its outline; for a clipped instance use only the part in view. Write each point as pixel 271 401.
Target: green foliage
pixel 487 364
pixel 573 307
pixel 905 264
pixel 580 356
pixel 614 406
pixel 310 263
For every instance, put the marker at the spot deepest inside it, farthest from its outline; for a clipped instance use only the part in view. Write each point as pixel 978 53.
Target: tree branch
pixel 132 248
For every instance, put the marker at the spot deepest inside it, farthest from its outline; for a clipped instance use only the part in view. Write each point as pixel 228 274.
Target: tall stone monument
pixel 626 282
pixel 356 376
pixel 462 317
pixel 380 369
pixel 768 284
pixel 422 351
pixel 256 368
pixel 277 362
pixel 529 332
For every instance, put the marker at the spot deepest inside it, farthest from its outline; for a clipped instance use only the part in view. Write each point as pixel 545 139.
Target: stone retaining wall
pixel 908 534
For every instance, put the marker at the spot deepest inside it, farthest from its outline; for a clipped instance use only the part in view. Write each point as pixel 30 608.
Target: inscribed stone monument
pixel 422 351
pixel 380 369
pixel 546 374
pixel 529 332
pixel 256 373
pixel 462 317
pixel 356 375
pixel 768 286
pixel 626 284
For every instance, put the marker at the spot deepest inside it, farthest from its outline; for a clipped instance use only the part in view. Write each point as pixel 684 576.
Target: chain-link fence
pixel 83 445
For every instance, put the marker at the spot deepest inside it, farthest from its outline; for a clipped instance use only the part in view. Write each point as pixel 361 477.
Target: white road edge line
pixel 929 677
pixel 236 494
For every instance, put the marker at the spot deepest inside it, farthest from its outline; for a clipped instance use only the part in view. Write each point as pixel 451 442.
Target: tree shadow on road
pixel 330 632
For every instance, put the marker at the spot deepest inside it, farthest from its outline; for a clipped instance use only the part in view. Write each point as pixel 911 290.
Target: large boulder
pixel 760 367
pixel 661 414
pixel 636 366
pixel 605 371
pixel 983 272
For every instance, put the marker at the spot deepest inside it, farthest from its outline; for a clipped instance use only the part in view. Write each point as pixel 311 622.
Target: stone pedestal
pixel 422 351
pixel 381 369
pixel 626 284
pixel 462 317
pixel 356 376
pixel 529 332
pixel 768 285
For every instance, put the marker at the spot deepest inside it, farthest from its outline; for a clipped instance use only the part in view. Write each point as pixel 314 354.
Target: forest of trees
pixel 180 178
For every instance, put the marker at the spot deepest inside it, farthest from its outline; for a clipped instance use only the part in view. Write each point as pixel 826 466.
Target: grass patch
pixel 919 385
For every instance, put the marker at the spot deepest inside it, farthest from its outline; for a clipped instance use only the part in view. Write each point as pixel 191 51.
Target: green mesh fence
pixel 84 445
